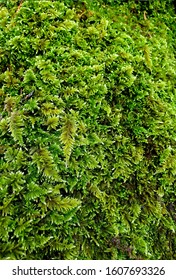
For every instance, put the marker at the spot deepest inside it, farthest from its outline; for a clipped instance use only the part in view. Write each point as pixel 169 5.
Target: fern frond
pixel 68 136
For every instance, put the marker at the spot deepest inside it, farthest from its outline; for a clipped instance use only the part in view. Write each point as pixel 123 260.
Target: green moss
pixel 87 130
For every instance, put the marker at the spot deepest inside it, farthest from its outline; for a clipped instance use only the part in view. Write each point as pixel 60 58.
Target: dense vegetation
pixel 87 130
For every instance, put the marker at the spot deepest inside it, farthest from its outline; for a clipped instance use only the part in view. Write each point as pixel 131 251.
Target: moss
pixel 87 129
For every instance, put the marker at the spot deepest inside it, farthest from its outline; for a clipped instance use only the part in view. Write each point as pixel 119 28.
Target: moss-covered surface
pixel 87 130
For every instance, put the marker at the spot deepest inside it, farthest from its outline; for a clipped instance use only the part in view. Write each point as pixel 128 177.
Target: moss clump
pixel 87 130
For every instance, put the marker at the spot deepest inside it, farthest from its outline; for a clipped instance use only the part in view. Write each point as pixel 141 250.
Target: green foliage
pixel 87 130
pixel 67 136
pixel 44 162
pixel 15 126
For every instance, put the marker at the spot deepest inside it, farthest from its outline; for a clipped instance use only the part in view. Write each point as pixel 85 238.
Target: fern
pixel 68 136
